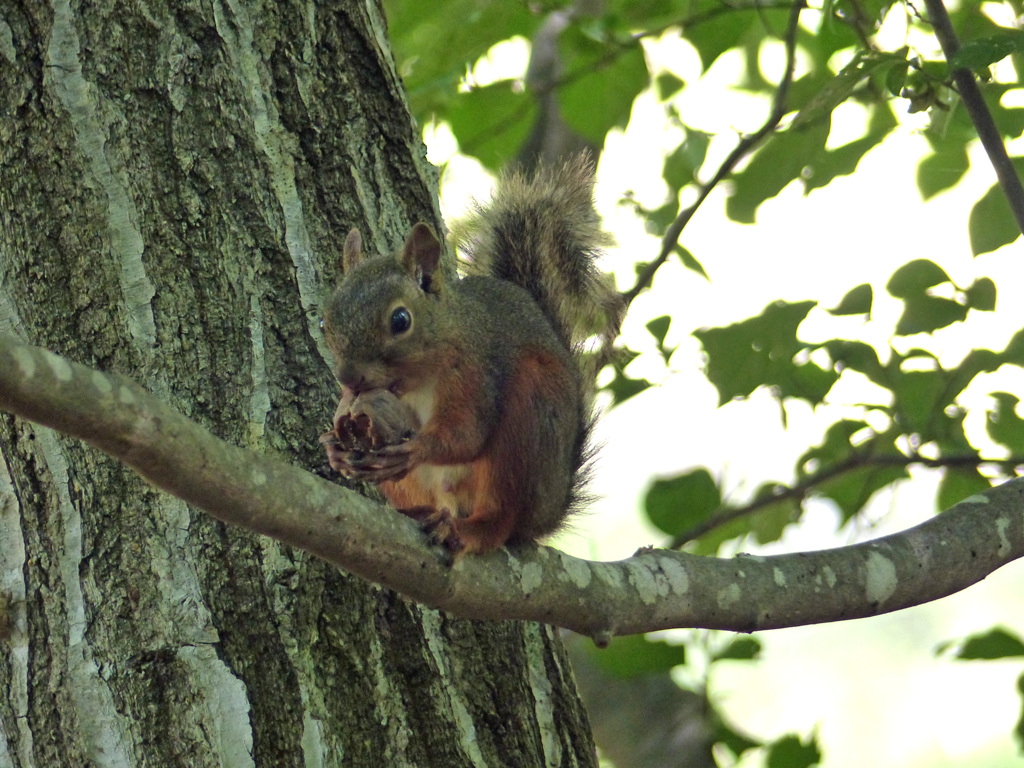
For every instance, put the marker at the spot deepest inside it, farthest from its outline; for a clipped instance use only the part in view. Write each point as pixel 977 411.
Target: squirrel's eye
pixel 401 321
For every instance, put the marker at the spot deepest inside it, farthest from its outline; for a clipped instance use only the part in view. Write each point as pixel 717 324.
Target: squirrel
pixel 490 365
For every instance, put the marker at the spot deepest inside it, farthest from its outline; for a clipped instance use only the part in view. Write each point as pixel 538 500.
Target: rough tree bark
pixel 176 179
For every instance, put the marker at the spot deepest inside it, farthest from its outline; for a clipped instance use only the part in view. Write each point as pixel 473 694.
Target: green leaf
pixel 976 361
pixel 622 387
pixel 1008 119
pixel 972 25
pixel 957 484
pixel 769 522
pixel 759 351
pixel 658 220
pixel 1010 123
pixel 781 160
pixel 690 261
pixel 924 314
pixel 991 224
pixel 1018 729
pixel 857 356
pixel 919 397
pixel 921 407
pixel 915 277
pixel 740 649
pixel 982 295
pixel 635 655
pixel 658 328
pixel 833 34
pixel 734 741
pixel 717 33
pixel 978 54
pixel 872 11
pixel 678 171
pixel 834 449
pixel 492 122
pixel 602 80
pixel 668 85
pixel 633 15
pixel 677 504
pixel 433 53
pixel 997 643
pixel 857 301
pixel 682 164
pixel 852 490
pixel 1014 352
pixel 937 70
pixel 790 752
pixel 843 161
pixel 896 77
pixel 947 431
pixel 839 88
pixel 710 543
pixel 943 168
pixel 806 381
pixel 1004 425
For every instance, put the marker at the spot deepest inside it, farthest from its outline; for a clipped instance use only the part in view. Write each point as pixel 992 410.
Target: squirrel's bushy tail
pixel 542 233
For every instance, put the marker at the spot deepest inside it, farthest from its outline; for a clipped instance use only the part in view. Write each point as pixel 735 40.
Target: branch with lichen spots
pixel 654 589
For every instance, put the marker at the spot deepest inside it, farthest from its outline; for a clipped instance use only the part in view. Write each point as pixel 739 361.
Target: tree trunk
pixel 176 181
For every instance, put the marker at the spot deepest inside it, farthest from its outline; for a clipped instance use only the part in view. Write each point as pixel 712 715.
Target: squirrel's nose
pixel 351 378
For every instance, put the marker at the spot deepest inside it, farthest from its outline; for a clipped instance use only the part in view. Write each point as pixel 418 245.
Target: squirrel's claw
pixel 440 529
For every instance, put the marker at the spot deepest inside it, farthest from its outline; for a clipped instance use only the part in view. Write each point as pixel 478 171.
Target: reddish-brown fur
pixel 497 497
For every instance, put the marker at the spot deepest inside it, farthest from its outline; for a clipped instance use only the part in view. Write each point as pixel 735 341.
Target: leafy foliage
pixel 588 70
pixel 857 301
pixel 637 655
pixel 605 76
pixel 763 351
pixel 978 54
pixel 997 643
pixel 1004 425
pixel 791 752
pixel 1018 729
pixel 683 501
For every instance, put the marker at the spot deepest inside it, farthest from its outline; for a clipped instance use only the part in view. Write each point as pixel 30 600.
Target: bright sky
pixel 874 690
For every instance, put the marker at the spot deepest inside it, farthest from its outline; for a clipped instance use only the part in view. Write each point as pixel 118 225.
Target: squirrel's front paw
pixel 392 462
pixel 372 437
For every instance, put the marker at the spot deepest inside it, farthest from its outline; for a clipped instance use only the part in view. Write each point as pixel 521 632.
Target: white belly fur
pixel 441 482
pixel 438 480
pixel 421 401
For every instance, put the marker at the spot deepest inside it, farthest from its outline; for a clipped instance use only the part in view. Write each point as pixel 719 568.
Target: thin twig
pixel 745 146
pixel 801 489
pixel 710 14
pixel 978 111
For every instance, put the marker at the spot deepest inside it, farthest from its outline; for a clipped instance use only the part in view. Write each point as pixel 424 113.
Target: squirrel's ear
pixel 353 251
pixel 422 253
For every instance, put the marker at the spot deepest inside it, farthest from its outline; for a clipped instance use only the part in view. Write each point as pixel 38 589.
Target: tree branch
pixel 805 486
pixel 978 111
pixel 710 14
pixel 654 589
pixel 741 150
